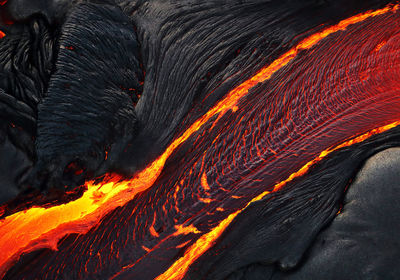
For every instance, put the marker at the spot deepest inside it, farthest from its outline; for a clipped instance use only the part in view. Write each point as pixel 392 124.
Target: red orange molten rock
pixel 199 139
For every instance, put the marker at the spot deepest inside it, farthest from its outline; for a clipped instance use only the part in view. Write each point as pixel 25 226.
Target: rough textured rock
pixel 108 90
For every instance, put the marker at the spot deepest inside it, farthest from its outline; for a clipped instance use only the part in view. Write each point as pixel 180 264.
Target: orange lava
pixel 204 182
pixel 378 47
pixel 180 229
pixel 40 227
pixel 2 34
pixel 180 267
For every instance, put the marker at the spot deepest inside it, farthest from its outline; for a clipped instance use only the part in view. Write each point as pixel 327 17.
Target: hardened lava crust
pixel 199 139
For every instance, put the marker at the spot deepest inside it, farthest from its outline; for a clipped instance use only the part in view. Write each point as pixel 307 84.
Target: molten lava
pixel 180 267
pixel 39 227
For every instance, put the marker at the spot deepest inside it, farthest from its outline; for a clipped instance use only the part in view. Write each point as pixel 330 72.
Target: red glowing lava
pixel 180 267
pixel 40 227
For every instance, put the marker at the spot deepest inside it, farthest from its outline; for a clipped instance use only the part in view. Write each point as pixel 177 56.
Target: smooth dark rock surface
pixel 105 86
pixel 363 241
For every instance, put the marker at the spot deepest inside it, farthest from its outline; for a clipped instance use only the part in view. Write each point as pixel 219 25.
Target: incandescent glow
pixel 40 227
pixel 180 267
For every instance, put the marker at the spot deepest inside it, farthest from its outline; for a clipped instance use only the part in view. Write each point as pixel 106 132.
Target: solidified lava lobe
pixel 335 88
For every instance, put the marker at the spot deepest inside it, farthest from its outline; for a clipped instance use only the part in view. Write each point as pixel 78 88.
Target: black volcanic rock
pixel 94 87
pixel 363 241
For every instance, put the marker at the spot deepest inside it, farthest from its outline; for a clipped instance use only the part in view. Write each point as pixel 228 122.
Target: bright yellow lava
pixel 43 227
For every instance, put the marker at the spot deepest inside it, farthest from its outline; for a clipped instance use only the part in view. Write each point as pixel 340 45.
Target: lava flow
pixel 180 267
pixel 271 127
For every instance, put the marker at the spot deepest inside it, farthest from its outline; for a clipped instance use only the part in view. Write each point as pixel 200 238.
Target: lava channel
pixel 335 88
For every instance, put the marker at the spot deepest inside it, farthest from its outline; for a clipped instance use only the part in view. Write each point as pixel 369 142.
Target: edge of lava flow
pixel 39 227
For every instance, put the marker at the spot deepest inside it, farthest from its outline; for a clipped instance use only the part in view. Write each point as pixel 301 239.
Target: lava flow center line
pixel 40 227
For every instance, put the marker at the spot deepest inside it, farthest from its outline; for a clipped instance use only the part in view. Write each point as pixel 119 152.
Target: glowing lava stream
pixel 180 267
pixel 39 227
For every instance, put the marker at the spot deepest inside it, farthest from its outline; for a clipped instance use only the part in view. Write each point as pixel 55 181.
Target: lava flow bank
pixel 253 179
